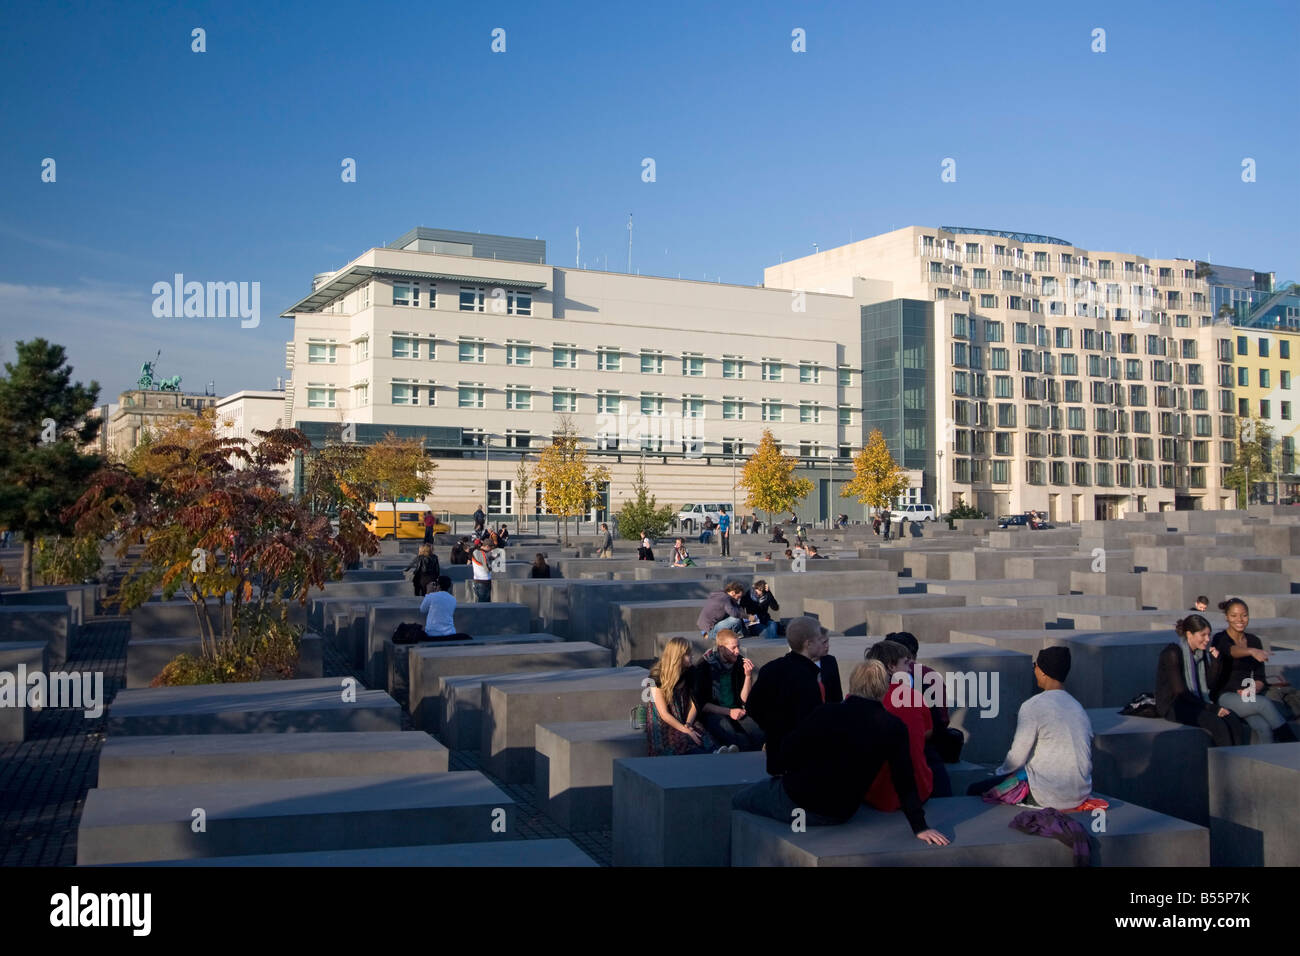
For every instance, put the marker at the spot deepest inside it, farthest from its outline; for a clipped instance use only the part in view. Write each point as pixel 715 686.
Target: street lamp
pixel 938 485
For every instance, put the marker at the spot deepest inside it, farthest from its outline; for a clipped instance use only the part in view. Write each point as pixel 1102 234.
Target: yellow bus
pixel 408 523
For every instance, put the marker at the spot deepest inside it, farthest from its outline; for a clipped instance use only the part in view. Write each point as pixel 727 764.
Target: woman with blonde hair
pixel 426 569
pixel 670 719
pixel 877 682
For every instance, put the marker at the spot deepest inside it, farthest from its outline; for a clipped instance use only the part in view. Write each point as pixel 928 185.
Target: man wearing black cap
pixel 1053 742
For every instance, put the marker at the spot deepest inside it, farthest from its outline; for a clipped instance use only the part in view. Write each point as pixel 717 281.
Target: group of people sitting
pixel 1217 681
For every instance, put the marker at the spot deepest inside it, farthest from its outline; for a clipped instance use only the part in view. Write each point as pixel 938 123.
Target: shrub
pixel 271 655
pixel 963 510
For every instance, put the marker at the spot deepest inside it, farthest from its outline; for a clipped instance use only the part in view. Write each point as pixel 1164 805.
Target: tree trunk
pixel 26 573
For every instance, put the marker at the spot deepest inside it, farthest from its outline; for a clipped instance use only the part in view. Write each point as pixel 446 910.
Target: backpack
pixel 1143 705
pixel 409 634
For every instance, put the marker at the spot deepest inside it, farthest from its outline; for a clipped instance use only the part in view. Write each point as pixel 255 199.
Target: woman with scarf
pixel 1190 675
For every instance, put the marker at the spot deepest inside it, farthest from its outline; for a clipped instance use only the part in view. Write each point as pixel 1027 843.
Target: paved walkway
pixel 44 780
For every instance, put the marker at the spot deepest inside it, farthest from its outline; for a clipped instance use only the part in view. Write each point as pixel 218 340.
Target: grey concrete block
pixel 574 769
pixel 1110 669
pixel 512 710
pixel 296 706
pixel 1176 592
pixel 1153 763
pixel 131 824
pixel 637 624
pixel 1002 588
pixel 428 663
pixel 934 625
pixel 43 623
pixel 472 619
pixel 676 811
pixel 981 836
pixel 854 615
pixel 460 725
pixel 1063 608
pixel 146 657
pixel 511 853
pixel 1112 581
pixel 167 761
pixel 1254 804
pixel 15 722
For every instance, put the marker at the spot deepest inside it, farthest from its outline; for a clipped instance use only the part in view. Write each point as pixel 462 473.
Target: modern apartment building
pixel 475 344
pixel 1009 370
pixel 1267 364
pixel 1020 371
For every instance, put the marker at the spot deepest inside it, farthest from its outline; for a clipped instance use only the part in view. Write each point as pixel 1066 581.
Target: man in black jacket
pixel 760 602
pixel 832 758
pixel 792 687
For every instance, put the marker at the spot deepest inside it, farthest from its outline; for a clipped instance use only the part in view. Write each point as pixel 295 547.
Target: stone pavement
pixel 44 780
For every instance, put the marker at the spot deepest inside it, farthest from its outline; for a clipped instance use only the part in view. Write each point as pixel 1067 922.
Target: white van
pixel 914 513
pixel 692 516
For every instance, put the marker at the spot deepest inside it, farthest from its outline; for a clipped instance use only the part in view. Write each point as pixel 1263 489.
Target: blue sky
pixel 225 165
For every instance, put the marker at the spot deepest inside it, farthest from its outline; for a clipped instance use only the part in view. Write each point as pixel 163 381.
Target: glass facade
pixel 898 381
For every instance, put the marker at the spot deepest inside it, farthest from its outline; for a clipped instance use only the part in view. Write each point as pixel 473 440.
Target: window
pixel 960 326
pixel 771 370
pixel 363 349
pixel 432 392
pixel 1081 473
pixel 322 352
pixel 810 373
pixel 846 415
pixel 999 471
pixel 517 439
pixel 845 377
pixel 1064 338
pixel 1204 427
pixel 692 406
pixel 1243 348
pixel 1263 348
pixel 1264 378
pixel 733 446
pixel 1200 400
pixel 1069 364
pixel 564 400
pixel 993 331
pixel 1284 349
pixel 1286 378
pixel 405 392
pixel 469 395
pixel 1074 391
pixel 1003 386
pixel 512 303
pixel 1264 408
pixel 1002 443
pixel 771 410
pixel 692 364
pixel 988 301
pixel 999 359
pixel 564 356
pixel 607 442
pixel 608 359
pixel 845 451
pixel 471 437
pixel 1006 415
pixel 408 294
pixel 472 350
pixel 734 367
pixel 361 395
pixel 320 396
pixel 1243 407
pixel 1243 376
pixel 652 362
pixel 471 299
pixel 960 353
pixel 1077 419
pixel 733 408
pixel 608 403
pixel 810 413
pixel 1195 375
pixel 519 353
pixel 519 398
pixel 1286 411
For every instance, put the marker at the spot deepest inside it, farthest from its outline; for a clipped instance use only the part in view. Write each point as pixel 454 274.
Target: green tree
pixel 877 479
pixel 569 484
pixel 1253 462
pixel 397 468
pixel 523 485
pixel 768 478
pixel 334 478
pixel 962 510
pixel 641 513
pixel 43 426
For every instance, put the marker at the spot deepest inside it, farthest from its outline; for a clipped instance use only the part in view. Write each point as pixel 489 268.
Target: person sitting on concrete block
pixel 831 760
pixel 759 602
pixel 723 680
pixel 900 665
pixel 681 557
pixel 945 742
pixel 540 568
pixel 439 609
pixel 1247 683
pixel 670 725
pixel 1053 741
pixel 722 611
pixel 790 688
pixel 879 684
pixel 1189 676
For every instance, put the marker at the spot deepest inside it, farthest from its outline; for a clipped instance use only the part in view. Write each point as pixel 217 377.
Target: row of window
pixel 1264 378
pixel 1105 447
pixel 412 293
pixel 1262 347
pixel 1042 261
pixel 1079 474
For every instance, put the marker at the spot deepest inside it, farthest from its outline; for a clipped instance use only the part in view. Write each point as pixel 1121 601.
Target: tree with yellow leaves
pixel 397 468
pixel 877 479
pixel 570 487
pixel 768 477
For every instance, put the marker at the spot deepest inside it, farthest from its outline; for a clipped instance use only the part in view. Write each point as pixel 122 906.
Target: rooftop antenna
pixel 629 243
pixel 815 250
pixel 577 234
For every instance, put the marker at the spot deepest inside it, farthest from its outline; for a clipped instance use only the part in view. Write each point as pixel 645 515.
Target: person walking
pixel 606 542
pixel 428 527
pixel 724 532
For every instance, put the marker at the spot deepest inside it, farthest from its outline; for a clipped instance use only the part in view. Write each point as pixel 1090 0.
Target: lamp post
pixel 487 469
pixel 938 485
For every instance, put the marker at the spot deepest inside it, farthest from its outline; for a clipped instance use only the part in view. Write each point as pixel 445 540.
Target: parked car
pixel 1013 521
pixel 914 513
pixel 692 516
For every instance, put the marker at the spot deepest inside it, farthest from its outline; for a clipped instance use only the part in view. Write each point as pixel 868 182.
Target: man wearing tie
pixel 792 687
